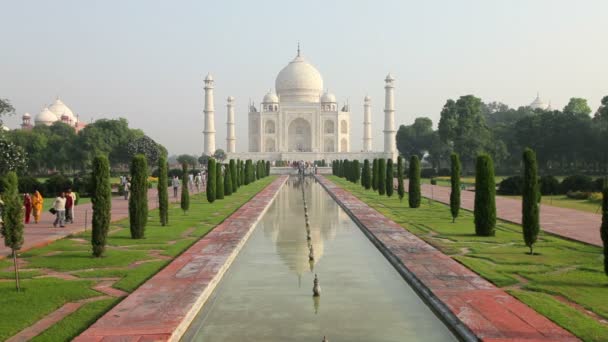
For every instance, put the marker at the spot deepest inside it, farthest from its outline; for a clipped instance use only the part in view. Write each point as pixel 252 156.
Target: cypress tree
pixel 247 171
pixel 243 173
pixel 219 185
pixel 604 227
pixel 530 195
pixel 414 196
pixel 357 169
pixel 138 200
pixel 400 188
pixel 211 179
pixel 375 175
pixel 238 173
pixel 340 169
pixel 389 177
pixel 185 200
pixel 485 197
pixel 162 187
pixel 233 176
pixel 228 181
pixel 268 168
pixel 455 183
pixel 381 176
pixel 366 179
pixel 101 201
pixel 12 218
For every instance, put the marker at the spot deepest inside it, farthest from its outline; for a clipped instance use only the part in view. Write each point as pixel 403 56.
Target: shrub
pixel 455 186
pixel 138 198
pixel 176 172
pixel 381 176
pixel 185 199
pixel 83 185
pixel 428 173
pixel 577 183
pixel 102 204
pixel 30 184
pixel 414 196
pixel 485 197
pixel 56 184
pixel 163 191
pixel 598 184
pixel 400 188
pixel 211 179
pixel 433 181
pixel 530 207
pixel 511 186
pixel 578 195
pixel 549 185
pixel 389 178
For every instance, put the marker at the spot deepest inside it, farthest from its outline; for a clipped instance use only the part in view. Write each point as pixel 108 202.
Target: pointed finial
pixel 298 48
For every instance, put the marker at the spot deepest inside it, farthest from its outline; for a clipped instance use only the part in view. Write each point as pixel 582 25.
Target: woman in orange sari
pixel 37 201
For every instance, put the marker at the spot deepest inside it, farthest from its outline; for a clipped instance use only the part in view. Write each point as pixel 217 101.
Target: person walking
pixel 197 181
pixel 37 202
pixel 126 188
pixel 27 203
pixel 175 184
pixel 59 206
pixel 70 202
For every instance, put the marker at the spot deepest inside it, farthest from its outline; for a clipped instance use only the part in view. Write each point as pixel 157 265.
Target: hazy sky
pixel 146 60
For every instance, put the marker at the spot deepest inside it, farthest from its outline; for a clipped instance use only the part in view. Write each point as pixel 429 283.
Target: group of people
pixel 305 167
pixel 33 205
pixel 197 181
pixel 125 184
pixel 62 208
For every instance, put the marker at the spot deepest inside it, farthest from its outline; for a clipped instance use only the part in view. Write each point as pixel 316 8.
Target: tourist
pixel 126 188
pixel 70 202
pixel 175 184
pixel 27 203
pixel 59 206
pixel 197 181
pixel 37 202
pixel 191 182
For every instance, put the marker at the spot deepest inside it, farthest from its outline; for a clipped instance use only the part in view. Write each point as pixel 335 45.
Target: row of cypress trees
pixel 226 179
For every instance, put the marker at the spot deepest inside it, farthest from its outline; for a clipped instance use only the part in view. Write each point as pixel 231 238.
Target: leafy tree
pixel 485 197
pixel 531 195
pixel 416 138
pixel 138 200
pixel 604 227
pixel 104 136
pixel 228 181
pixel 389 177
pixel 219 186
pixel 12 218
pixel 233 175
pixel 6 109
pixel 211 180
pixel 187 159
pixel 455 183
pixel 102 204
pixel 146 146
pixel 185 200
pixel 163 192
pixel 400 189
pixel 366 178
pixel 578 107
pixel 13 157
pixel 203 159
pixel 381 176
pixel 414 195
pixel 375 174
pixel 219 155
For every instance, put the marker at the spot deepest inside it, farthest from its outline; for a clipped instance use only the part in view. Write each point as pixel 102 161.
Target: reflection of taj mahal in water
pixel 300 121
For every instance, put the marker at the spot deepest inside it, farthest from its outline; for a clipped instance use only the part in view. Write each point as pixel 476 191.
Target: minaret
pixel 230 135
pixel 209 112
pixel 367 124
pixel 389 117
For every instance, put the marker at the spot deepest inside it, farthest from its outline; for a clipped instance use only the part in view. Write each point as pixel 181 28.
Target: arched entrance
pixel 299 136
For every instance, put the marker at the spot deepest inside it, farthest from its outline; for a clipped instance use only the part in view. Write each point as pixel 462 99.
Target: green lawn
pixel 129 262
pixel 570 270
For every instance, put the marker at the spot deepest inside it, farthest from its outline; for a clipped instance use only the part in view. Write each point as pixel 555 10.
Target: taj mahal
pixel 300 121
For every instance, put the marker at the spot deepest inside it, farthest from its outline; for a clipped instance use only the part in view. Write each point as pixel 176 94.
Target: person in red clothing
pixel 69 206
pixel 27 203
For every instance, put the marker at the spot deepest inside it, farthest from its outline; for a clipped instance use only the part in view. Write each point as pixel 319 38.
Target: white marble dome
pixel 270 97
pixel 299 81
pixel 328 97
pixel 46 117
pixel 60 109
pixel 27 116
pixel 538 103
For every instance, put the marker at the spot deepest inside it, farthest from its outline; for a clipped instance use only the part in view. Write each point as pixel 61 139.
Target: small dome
pixel 538 103
pixel 46 117
pixel 328 97
pixel 27 116
pixel 59 109
pixel 389 78
pixel 230 99
pixel 299 81
pixel 270 97
pixel 209 77
pixel 367 98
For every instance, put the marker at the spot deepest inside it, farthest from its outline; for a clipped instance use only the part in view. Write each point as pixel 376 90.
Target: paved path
pixel 569 223
pixel 163 307
pixel 43 233
pixel 489 312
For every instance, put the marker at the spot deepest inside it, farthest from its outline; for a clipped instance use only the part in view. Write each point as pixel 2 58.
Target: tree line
pixel 566 141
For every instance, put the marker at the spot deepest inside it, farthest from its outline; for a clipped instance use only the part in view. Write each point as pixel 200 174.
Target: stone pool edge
pixel 158 310
pixel 476 326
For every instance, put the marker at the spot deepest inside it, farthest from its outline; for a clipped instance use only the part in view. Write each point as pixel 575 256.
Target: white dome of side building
pixel 538 103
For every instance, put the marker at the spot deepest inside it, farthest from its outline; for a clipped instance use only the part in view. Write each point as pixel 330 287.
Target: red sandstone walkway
pixel 489 312
pixel 163 307
pixel 569 223
pixel 43 233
